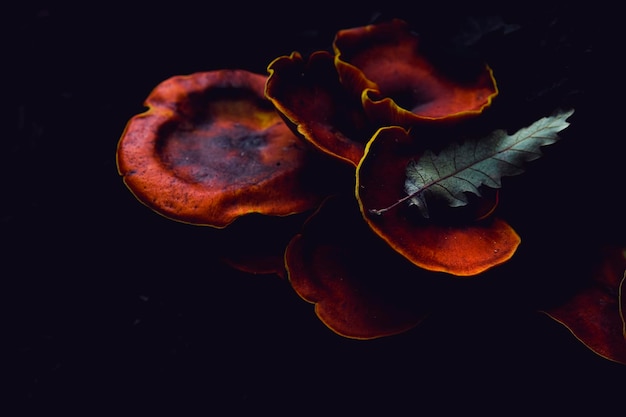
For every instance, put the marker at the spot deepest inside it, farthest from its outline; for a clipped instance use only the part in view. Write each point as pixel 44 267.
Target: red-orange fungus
pixel 316 106
pixel 387 67
pixel 211 148
pixel 465 241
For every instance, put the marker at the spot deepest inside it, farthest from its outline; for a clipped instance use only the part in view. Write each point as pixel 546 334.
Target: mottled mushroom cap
pixel 211 148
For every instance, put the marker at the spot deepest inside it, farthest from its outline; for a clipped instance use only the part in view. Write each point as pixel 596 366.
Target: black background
pixel 110 307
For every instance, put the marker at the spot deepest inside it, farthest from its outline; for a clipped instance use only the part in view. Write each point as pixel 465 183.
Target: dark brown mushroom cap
pixel 385 65
pixel 256 243
pixel 316 106
pixel 464 241
pixel 596 314
pixel 361 288
pixel 211 148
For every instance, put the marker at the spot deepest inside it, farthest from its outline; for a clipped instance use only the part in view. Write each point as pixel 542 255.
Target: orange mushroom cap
pixel 211 148
pixel 386 66
pixel 361 288
pixel 595 315
pixel 463 241
pixel 316 106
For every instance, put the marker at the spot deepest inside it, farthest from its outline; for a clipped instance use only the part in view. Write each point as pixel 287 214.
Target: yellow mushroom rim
pixel 309 95
pixel 466 247
pixel 398 83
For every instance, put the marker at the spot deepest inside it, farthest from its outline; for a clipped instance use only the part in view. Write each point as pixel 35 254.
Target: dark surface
pixel 112 307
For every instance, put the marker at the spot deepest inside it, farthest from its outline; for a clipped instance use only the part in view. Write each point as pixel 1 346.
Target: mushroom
pixel 399 84
pixel 461 241
pixel 596 313
pixel 360 287
pixel 317 107
pixel 211 148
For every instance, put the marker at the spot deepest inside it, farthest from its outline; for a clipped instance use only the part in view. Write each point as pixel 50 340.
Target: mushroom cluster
pixel 315 148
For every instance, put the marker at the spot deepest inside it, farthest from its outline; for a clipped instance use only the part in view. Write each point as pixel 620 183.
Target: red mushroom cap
pixel 385 65
pixel 211 148
pixel 361 288
pixel 596 315
pixel 316 106
pixel 465 241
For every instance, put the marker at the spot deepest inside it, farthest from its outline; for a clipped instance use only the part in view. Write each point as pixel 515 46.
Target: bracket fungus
pixel 399 84
pixel 211 148
pixel 343 144
pixel 596 313
pixel 309 94
pixel 375 76
pixel 467 242
pixel 360 287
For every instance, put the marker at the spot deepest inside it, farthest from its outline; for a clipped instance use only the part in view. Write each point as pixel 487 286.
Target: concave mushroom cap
pixel 316 106
pixel 360 287
pixel 462 241
pixel 399 84
pixel 211 148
